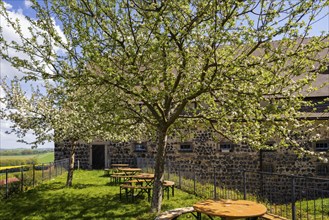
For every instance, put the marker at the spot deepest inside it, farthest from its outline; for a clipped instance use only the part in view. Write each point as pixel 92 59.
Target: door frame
pixel 105 153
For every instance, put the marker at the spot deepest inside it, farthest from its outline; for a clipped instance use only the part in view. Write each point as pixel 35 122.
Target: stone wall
pixel 82 155
pixel 204 152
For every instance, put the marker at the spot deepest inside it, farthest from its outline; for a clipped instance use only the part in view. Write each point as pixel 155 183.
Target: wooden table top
pixel 119 165
pixel 144 176
pixel 230 208
pixel 130 169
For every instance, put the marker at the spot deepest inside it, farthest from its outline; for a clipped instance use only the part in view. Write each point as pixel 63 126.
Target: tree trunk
pixel 71 166
pixel 159 170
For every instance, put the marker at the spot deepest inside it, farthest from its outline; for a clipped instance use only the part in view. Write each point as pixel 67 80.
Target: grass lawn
pixel 46 158
pixel 91 197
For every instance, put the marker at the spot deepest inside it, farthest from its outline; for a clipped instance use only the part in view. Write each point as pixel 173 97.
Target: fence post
pixel 49 170
pixel 180 177
pixel 7 185
pixel 168 164
pixel 22 178
pixel 293 195
pixel 42 172
pixel 61 164
pixel 194 182
pixel 33 175
pixel 56 169
pixel 244 184
pixel 215 184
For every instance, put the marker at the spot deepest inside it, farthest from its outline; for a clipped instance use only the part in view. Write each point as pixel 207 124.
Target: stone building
pixel 204 151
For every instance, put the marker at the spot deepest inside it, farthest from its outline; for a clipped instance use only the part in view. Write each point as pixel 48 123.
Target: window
pixel 140 147
pixel 226 147
pixel 268 167
pixel 322 170
pixel 186 147
pixel 321 146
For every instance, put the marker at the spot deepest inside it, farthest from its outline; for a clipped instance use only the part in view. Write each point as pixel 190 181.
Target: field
pixel 26 159
pixel 41 157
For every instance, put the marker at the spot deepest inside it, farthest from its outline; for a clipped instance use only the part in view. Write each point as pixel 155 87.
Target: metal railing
pixel 293 197
pixel 21 178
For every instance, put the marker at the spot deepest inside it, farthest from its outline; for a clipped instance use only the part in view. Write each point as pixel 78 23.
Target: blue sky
pixel 19 8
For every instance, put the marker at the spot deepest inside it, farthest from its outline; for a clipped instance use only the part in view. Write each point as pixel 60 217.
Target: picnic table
pixel 230 209
pixel 114 168
pixel 119 165
pixel 130 171
pixel 141 183
pixel 124 174
pixel 147 178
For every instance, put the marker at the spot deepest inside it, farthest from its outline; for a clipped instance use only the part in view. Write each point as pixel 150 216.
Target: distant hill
pixel 24 151
pixel 22 148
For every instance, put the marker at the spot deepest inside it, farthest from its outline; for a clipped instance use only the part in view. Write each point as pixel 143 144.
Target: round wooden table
pixel 230 209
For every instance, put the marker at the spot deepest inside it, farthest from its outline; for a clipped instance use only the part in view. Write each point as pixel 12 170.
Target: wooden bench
pixel 134 181
pixel 107 172
pixel 167 185
pixel 118 177
pixel 175 213
pixel 269 216
pixel 130 190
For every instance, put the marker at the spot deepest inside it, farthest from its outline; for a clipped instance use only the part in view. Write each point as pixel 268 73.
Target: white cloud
pixel 8 6
pixel 6 70
pixel 10 34
pixel 10 140
pixel 27 3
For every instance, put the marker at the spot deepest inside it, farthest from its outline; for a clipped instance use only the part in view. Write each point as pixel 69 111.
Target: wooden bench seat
pixel 269 216
pixel 109 171
pixel 134 181
pixel 117 177
pixel 167 185
pixel 174 213
pixel 130 190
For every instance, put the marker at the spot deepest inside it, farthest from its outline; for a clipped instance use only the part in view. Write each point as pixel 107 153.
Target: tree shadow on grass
pixel 54 185
pixel 113 184
pixel 83 186
pixel 83 201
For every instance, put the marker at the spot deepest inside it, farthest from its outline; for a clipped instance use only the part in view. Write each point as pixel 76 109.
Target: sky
pixel 19 8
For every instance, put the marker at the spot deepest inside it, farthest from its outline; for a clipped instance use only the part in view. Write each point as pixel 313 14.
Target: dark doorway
pixel 98 156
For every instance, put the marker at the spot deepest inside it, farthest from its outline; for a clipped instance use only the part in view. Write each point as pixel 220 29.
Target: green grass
pixel 91 197
pixel 46 158
pixel 40 158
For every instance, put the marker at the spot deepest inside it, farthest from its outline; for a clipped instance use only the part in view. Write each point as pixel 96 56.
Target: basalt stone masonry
pixel 201 150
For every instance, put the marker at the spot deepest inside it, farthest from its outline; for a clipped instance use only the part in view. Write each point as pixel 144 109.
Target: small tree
pixel 51 117
pixel 147 69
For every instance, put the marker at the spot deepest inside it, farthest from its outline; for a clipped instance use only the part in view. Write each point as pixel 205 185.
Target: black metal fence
pixel 21 178
pixel 293 197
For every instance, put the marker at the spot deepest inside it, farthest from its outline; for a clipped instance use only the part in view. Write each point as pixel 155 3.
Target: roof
pixel 322 83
